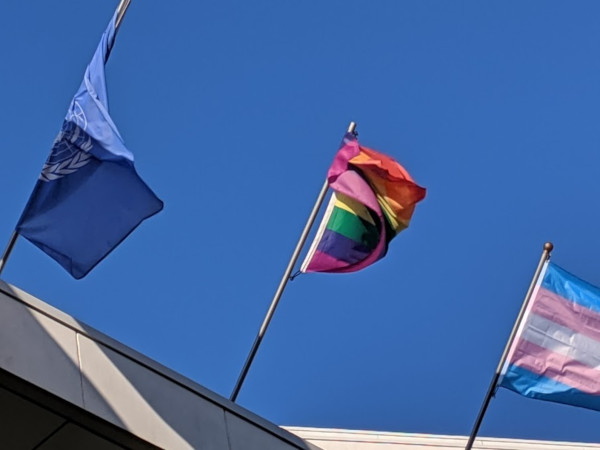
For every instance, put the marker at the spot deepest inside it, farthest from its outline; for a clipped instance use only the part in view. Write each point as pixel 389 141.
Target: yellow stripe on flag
pixel 354 207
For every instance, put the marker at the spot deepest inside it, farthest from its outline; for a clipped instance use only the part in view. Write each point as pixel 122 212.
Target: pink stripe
pixel 568 314
pixel 323 262
pixel 340 163
pixel 558 367
pixel 354 186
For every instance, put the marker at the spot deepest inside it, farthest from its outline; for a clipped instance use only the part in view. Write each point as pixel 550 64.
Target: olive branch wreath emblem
pixel 70 151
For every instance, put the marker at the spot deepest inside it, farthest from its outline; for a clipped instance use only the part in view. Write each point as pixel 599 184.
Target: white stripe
pixel 564 341
pixel 320 231
pixel 532 299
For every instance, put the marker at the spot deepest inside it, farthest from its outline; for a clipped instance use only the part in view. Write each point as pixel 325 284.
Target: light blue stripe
pixel 571 288
pixel 540 387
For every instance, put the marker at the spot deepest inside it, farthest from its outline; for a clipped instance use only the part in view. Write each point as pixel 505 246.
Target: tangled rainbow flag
pixel 373 199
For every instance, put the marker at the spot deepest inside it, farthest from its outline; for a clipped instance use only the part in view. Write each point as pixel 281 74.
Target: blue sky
pixel 234 111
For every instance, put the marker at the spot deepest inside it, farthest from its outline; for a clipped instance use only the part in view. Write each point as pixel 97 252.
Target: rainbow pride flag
pixel 556 353
pixel 373 199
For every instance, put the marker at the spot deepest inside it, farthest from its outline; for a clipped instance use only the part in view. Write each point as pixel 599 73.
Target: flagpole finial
pixel 548 246
pixel 352 128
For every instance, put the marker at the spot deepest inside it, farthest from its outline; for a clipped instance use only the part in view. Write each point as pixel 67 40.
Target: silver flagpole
pixel 548 246
pixel 121 10
pixel 282 284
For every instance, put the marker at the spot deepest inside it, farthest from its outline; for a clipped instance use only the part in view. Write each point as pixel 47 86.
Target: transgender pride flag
pixel 556 352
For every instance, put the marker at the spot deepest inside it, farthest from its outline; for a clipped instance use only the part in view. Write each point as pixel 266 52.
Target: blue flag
pixel 89 196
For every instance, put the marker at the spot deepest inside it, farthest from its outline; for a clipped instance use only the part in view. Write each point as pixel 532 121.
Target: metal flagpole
pixel 548 246
pixel 9 247
pixel 282 284
pixel 121 10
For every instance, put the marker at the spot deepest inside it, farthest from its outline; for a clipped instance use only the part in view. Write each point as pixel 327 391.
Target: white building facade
pixel 334 439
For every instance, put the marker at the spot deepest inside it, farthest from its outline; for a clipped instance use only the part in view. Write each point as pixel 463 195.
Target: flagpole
pixel 121 10
pixel 548 246
pixel 282 284
pixel 9 248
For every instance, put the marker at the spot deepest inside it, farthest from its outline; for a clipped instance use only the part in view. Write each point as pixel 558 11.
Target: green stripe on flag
pixel 353 227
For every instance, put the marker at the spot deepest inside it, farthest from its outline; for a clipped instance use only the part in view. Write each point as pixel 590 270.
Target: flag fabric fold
pixel 88 197
pixel 556 353
pixel 373 199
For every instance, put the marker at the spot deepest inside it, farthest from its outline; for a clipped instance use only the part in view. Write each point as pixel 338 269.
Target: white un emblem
pixel 71 147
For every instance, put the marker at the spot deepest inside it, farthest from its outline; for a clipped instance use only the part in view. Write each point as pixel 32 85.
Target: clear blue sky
pixel 234 110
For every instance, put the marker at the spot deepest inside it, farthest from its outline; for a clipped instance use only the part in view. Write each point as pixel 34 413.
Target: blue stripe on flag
pixel 571 288
pixel 342 248
pixel 532 385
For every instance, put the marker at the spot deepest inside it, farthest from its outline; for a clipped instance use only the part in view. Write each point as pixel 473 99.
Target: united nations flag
pixel 89 196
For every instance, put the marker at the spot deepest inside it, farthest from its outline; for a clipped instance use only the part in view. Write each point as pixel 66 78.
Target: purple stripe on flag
pixel 342 248
pixel 557 367
pixel 566 313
